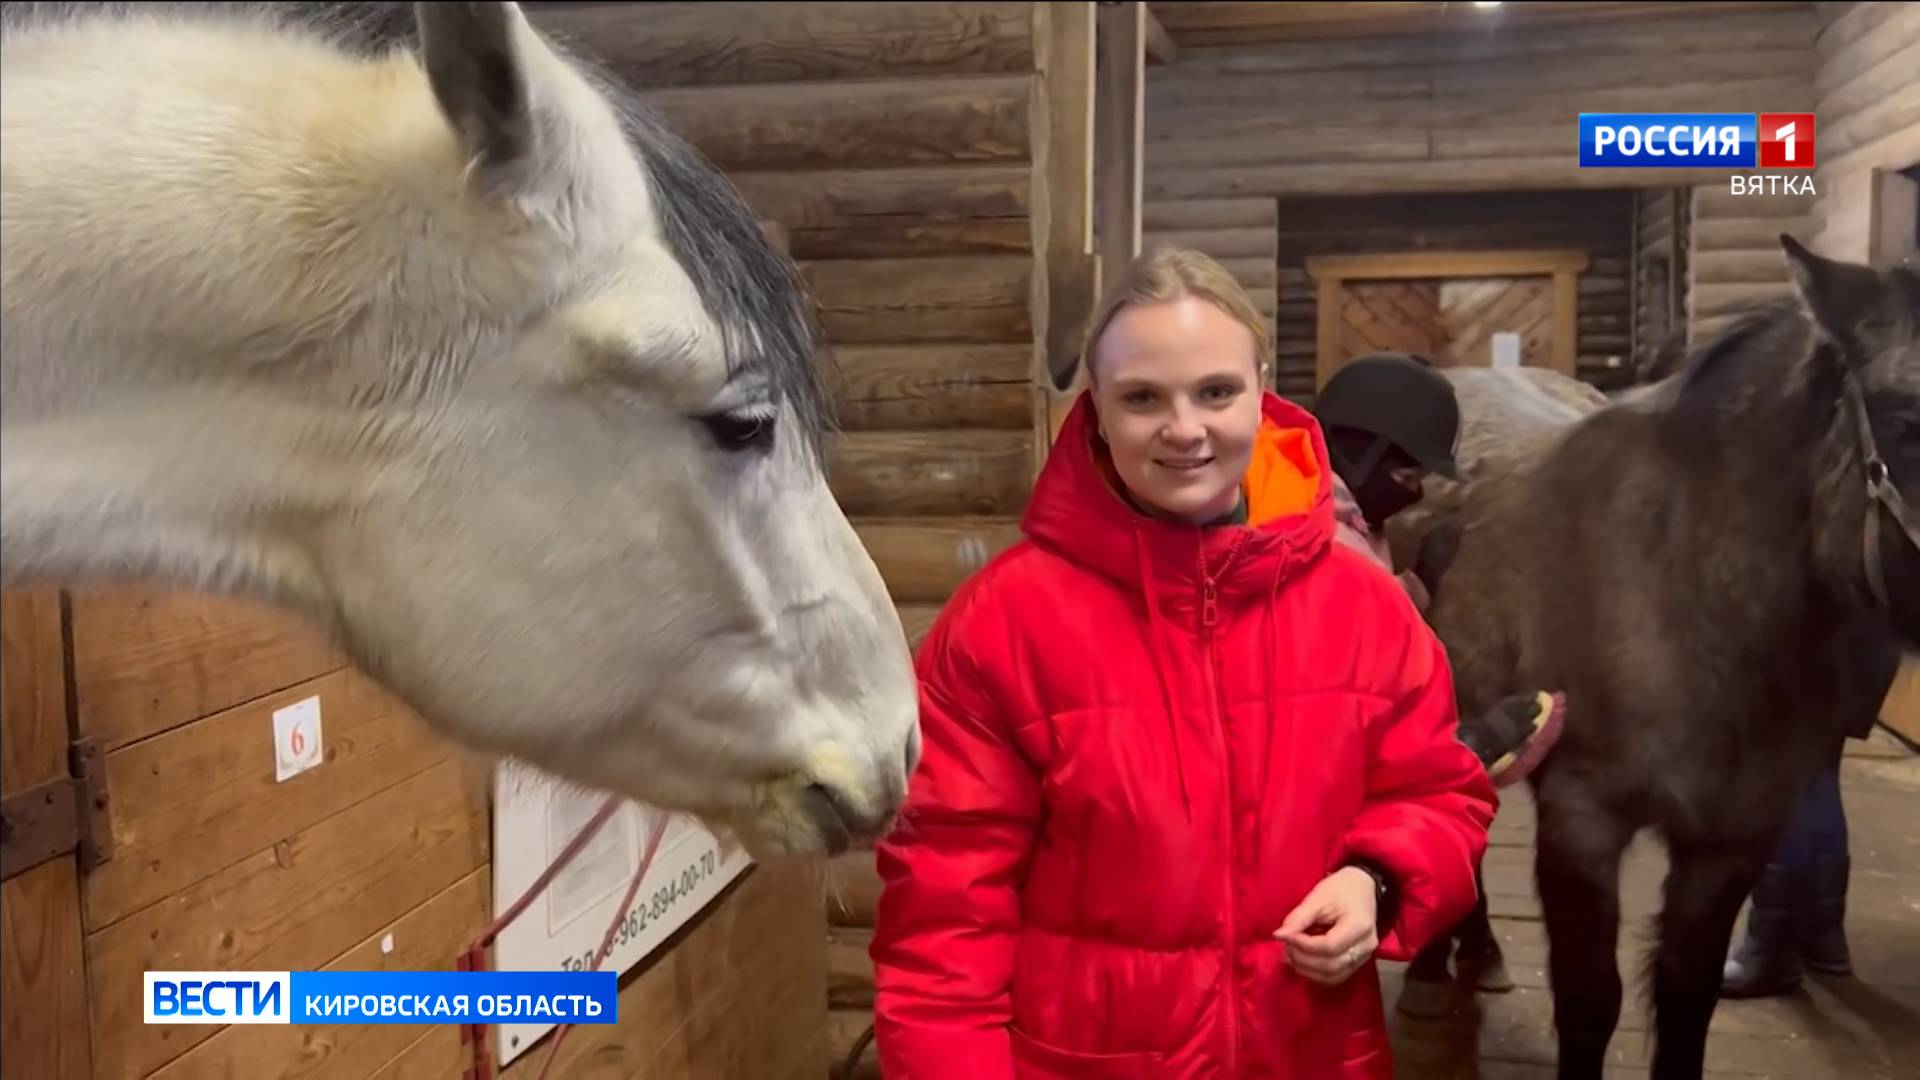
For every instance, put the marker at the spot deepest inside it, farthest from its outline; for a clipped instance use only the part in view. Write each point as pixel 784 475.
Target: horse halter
pixel 1880 489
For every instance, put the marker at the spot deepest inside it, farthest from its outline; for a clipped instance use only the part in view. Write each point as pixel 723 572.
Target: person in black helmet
pixel 1390 420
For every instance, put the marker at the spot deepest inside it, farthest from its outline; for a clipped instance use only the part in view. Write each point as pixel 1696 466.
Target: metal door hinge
pixel 60 816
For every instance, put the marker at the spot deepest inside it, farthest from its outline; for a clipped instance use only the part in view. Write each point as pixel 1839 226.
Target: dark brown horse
pixel 1682 561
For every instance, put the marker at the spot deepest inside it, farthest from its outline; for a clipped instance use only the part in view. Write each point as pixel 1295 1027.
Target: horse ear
pixel 1841 297
pixel 477 63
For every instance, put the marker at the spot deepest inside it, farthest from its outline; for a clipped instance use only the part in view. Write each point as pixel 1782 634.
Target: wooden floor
pixel 1862 1028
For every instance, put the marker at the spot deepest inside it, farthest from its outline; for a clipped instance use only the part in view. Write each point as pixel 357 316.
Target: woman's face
pixel 1176 387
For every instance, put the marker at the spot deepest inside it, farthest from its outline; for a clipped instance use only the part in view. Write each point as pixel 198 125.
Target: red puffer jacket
pixel 1144 744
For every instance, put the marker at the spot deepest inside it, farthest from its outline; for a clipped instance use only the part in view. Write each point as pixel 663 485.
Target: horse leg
pixel 1480 962
pixel 1704 890
pixel 1577 873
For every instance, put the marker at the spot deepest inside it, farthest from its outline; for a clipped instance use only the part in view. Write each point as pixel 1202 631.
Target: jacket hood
pixel 1078 511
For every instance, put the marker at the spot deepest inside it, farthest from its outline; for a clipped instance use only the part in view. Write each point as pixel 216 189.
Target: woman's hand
pixel 1333 933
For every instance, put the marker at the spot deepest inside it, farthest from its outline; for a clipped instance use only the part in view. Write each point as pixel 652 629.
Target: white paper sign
pixel 296 738
pixel 534 819
pixel 1506 349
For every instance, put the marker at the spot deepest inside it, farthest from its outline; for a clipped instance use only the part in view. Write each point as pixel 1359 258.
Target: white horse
pixel 457 352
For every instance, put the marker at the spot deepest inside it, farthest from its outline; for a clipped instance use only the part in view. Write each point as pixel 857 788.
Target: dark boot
pixel 1824 946
pixel 1768 961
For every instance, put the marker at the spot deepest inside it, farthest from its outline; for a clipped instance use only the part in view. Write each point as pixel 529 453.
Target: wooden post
pixel 1119 112
pixel 1065 280
pixel 1895 200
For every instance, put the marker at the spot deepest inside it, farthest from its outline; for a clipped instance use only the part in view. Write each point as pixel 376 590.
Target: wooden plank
pixel 1219 243
pixel 741 994
pixel 853 890
pixel 924 560
pixel 1748 234
pixel 1891 226
pixel 427 938
pixel 846 125
pixel 711 44
pixel 437 1055
pixel 1529 31
pixel 1164 214
pixel 292 906
pixel 975 299
pixel 1709 298
pixel 930 473
pixel 1119 119
pixel 200 797
pixel 1382 177
pixel 146 661
pixel 1736 267
pixel 929 387
pixel 33 690
pixel 1446 264
pixel 43 982
pixel 903 237
pixel 827 199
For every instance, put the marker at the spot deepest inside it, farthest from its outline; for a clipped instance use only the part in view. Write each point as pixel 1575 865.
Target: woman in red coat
pixel 1188 766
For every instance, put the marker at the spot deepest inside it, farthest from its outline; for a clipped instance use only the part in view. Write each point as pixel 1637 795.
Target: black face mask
pixel 1380 497
pixel 1366 463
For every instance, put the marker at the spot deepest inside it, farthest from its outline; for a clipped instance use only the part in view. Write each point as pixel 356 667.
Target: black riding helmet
pixel 1401 401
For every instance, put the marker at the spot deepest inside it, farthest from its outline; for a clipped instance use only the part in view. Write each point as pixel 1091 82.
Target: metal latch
pixel 59 816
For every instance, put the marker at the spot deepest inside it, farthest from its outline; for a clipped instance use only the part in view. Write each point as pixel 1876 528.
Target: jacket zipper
pixel 1209 619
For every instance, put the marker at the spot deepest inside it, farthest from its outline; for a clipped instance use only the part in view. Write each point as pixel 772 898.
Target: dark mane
pixel 752 292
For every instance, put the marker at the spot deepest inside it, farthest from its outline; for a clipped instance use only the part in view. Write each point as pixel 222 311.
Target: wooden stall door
pixel 1447 306
pixel 43 980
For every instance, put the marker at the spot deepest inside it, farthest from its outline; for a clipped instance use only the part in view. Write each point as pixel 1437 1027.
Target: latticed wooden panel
pixel 1472 310
pixel 1390 316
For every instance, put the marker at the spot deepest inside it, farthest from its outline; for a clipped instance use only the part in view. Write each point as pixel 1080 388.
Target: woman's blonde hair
pixel 1162 274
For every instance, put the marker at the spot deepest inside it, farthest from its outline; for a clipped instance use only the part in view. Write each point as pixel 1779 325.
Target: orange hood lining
pixel 1283 477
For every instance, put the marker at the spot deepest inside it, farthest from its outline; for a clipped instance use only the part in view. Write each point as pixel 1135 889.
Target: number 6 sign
pixel 296 738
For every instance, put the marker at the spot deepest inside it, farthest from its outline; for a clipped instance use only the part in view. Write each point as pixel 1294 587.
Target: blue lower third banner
pixel 381 997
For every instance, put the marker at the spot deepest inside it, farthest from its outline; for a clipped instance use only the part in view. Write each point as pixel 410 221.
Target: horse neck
pixel 1761 442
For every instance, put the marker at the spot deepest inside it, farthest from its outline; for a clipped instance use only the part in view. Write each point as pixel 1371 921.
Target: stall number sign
pixel 296 738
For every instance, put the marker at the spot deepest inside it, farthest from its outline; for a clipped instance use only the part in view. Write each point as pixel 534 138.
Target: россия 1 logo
pixel 1705 141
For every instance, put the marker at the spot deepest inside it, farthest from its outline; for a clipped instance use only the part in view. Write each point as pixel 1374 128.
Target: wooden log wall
pixel 1238 232
pixel 1736 258
pixel 1598 222
pixel 1867 115
pixel 1454 112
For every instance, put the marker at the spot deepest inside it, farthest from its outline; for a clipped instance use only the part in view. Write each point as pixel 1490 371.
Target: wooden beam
pixel 923 560
pixel 929 473
pixel 1160 47
pixel 880 124
pixel 1119 114
pixel 1421 264
pixel 712 44
pixel 1063 206
pixel 975 299
pixel 934 387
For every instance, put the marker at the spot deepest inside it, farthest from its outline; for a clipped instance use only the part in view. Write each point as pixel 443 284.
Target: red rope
pixel 474 956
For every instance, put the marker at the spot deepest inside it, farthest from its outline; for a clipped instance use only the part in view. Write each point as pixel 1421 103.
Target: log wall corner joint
pixel 69 814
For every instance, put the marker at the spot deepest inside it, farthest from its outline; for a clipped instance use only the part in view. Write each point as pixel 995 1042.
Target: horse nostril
pixel 837 821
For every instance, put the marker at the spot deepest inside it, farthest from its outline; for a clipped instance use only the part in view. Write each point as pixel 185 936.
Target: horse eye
pixel 740 429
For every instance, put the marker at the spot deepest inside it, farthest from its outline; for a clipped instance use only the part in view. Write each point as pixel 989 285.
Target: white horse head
pixel 457 351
